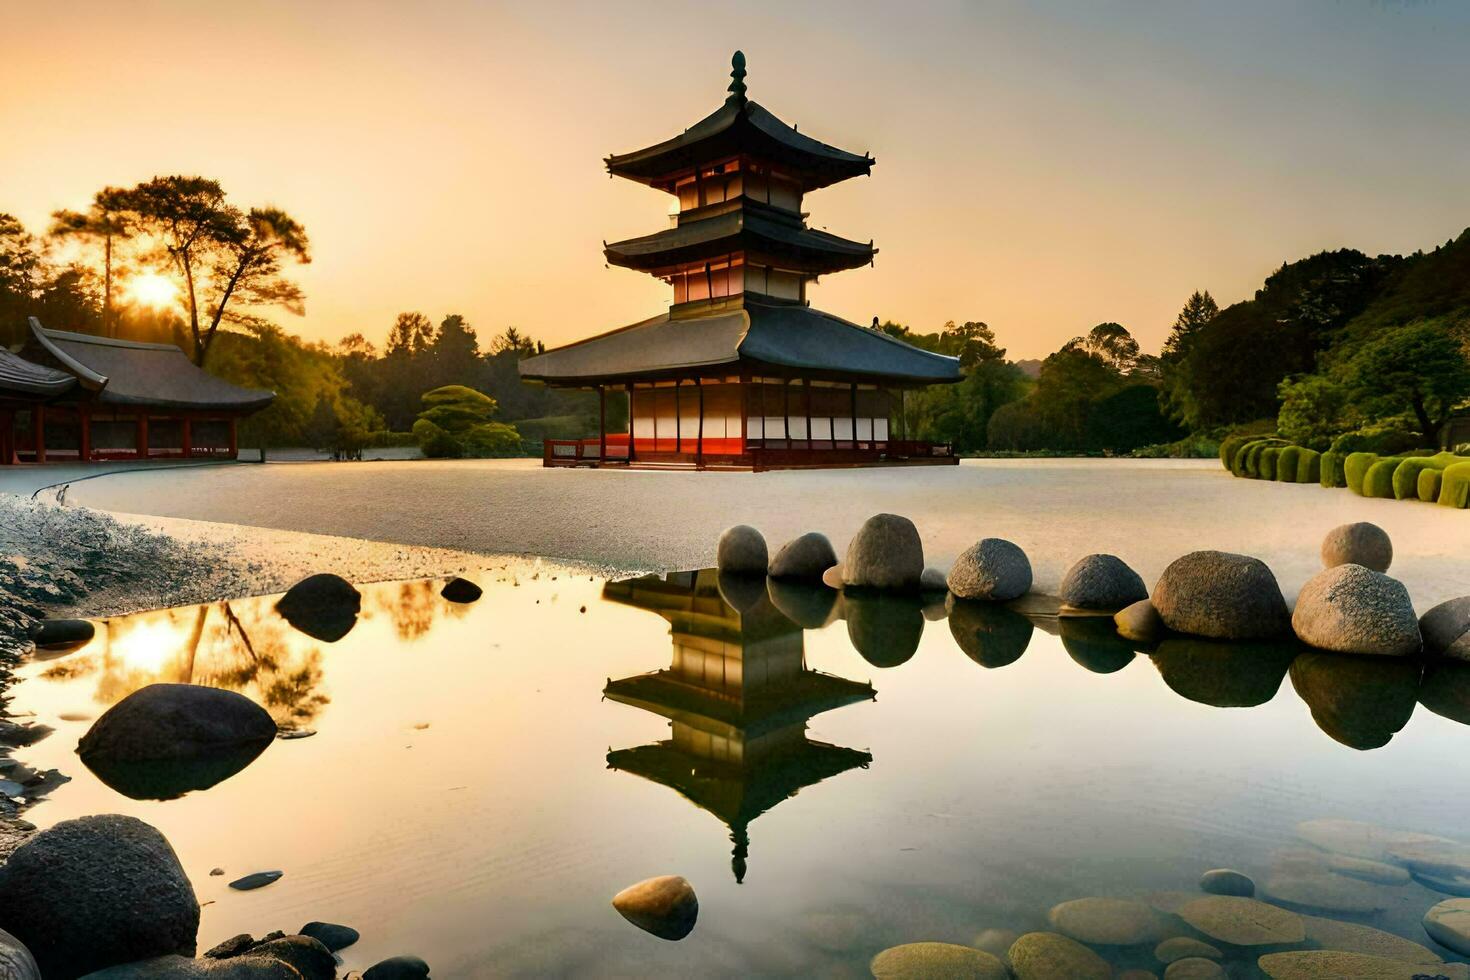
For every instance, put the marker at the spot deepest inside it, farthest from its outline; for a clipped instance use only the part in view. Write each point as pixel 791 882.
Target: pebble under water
pixel 473 782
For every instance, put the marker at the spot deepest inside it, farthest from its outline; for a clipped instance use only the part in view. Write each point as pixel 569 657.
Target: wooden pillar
pixel 903 415
pixel 744 411
pixel 84 434
pixel 786 408
pixel 601 424
pixel 142 435
pixel 38 432
pixel 853 402
pixel 678 418
pixel 186 437
pixel 699 439
pixel 806 386
pixel 234 438
pixel 631 454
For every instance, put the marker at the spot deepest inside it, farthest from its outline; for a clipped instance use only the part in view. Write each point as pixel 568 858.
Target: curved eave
pixel 800 248
pixel 88 378
pixel 261 400
pixel 27 380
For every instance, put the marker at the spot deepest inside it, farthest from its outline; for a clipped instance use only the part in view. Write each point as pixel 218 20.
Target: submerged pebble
pixel 1224 881
pixel 331 935
pixel 931 961
pixel 1243 921
pixel 1047 956
pixel 1107 921
pixel 1182 947
pixel 258 879
pixel 1195 968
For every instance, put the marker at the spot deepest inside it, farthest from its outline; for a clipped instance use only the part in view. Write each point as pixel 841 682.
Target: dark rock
pixel 258 879
pixel 932 579
pixel 323 606
pixel 993 569
pixel 1446 629
pixel 742 551
pixel 1358 701
pixel 461 590
pixel 62 634
pixel 1102 582
pixel 1224 674
pixel 884 629
pixel 18 736
pixel 310 957
pixel 1352 609
pixel 804 558
pixel 1221 596
pixel 1095 644
pixel 989 634
pixel 665 906
pixel 886 554
pixel 1357 544
pixel 247 967
pixel 1445 690
pixel 398 968
pixel 331 935
pixel 234 946
pixel 95 892
pixel 16 962
pixel 808 606
pixel 1223 881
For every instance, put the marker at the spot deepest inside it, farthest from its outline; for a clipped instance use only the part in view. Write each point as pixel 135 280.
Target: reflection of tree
pixel 412 607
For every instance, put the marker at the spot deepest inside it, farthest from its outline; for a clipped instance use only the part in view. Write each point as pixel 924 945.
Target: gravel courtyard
pixel 1146 511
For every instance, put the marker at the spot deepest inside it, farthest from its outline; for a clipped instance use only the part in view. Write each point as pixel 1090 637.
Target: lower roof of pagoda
pixel 789 337
pixel 751 229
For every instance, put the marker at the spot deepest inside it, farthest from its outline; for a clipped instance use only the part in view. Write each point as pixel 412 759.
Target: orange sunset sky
pixel 1042 166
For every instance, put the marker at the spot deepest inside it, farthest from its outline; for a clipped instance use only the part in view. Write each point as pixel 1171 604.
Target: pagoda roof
pixel 793 701
pixel 128 372
pixel 740 127
pixel 752 228
pixel 20 377
pixel 760 332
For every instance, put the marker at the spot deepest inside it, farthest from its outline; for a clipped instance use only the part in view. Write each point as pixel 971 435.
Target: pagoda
pixel 737 698
pixel 740 371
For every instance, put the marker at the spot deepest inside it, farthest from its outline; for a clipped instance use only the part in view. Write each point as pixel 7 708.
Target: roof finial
pixel 737 77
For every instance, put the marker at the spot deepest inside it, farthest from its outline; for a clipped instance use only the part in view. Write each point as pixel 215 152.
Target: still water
pixel 833 777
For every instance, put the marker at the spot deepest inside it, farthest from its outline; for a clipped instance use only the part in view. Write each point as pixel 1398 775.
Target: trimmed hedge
pixel 1332 474
pixel 1429 485
pixel 1250 459
pixel 1287 463
pixel 1378 481
pixel 1231 445
pixel 1355 468
pixel 1454 488
pixel 1406 477
pixel 1266 465
pixel 1309 466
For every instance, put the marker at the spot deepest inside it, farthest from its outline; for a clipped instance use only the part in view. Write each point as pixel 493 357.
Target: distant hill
pixel 1030 367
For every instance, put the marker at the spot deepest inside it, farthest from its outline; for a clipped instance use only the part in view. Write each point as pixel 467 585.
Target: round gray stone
pixel 1446 629
pixel 1222 596
pixel 742 551
pixel 804 557
pixel 1352 609
pixel 886 553
pixel 1224 881
pixel 933 580
pixel 993 569
pixel 1358 544
pixel 1102 582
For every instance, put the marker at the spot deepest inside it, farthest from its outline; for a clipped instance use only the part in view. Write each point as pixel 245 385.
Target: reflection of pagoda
pixel 737 697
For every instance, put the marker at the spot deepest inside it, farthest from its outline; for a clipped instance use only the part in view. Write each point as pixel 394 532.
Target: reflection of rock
pixel 1107 921
pixel 1095 644
pixel 741 551
pixel 832 578
pixel 1221 673
pixel 323 606
pixel 742 592
pixel 1359 701
pixel 993 569
pixel 1222 596
pixel 1357 544
pixel 1446 629
pixel 1243 921
pixel 886 553
pixel 461 590
pixel 805 557
pixel 168 779
pixel 989 634
pixel 917 961
pixel 1352 609
pixel 808 606
pixel 1224 881
pixel 885 629
pixel 1046 956
pixel 665 906
pixel 62 634
pixel 1102 582
pixel 97 891
pixel 1445 690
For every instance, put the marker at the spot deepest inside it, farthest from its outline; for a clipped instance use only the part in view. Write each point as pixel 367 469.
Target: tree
pixel 1315 409
pixel 456 353
pixel 1111 343
pixel 1420 368
pixel 411 333
pixel 247 268
pixel 1198 311
pixel 108 222
pixel 20 270
pixel 459 421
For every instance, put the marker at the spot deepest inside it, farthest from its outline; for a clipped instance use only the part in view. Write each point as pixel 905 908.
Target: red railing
pixel 758 452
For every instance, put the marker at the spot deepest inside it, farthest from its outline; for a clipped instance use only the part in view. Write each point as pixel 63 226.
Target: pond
pixel 472 783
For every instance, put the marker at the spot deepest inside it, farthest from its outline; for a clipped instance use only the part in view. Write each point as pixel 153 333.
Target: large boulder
pixel 993 569
pixel 1102 582
pixel 1357 544
pixel 886 553
pixel 323 606
pixel 665 906
pixel 1446 629
pixel 167 739
pixel 330 934
pixel 398 968
pixel 805 557
pixel 1221 596
pixel 95 892
pixel 741 551
pixel 1352 609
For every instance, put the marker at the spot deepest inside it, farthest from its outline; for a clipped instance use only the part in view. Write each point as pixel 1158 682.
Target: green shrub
pixel 1331 466
pixel 459 421
pixel 1231 445
pixel 434 442
pixel 1267 463
pixel 1406 477
pixel 1454 488
pixel 1355 468
pixel 492 439
pixel 1429 485
pixel 1379 480
pixel 1253 454
pixel 1287 462
pixel 1243 463
pixel 1309 466
pixel 1382 440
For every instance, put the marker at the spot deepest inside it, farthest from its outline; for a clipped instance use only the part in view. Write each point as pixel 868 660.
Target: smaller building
pixel 76 397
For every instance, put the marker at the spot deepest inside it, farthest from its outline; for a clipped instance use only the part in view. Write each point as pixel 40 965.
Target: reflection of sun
pixel 147 647
pixel 152 290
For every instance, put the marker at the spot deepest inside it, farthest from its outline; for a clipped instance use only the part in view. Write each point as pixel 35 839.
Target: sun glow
pixel 152 290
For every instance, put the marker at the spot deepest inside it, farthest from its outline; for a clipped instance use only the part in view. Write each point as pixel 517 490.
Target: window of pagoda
pixel 716 279
pixel 731 179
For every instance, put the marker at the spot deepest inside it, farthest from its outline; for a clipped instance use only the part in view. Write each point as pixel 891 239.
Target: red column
pixel 631 454
pixel 186 437
pixel 234 439
pixel 601 424
pixel 38 432
pixel 84 434
pixel 142 437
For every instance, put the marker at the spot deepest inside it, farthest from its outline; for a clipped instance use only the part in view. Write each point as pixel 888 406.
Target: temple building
pixel 737 697
pixel 80 398
pixel 740 371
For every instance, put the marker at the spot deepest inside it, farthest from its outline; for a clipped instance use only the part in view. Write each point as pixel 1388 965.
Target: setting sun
pixel 151 290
